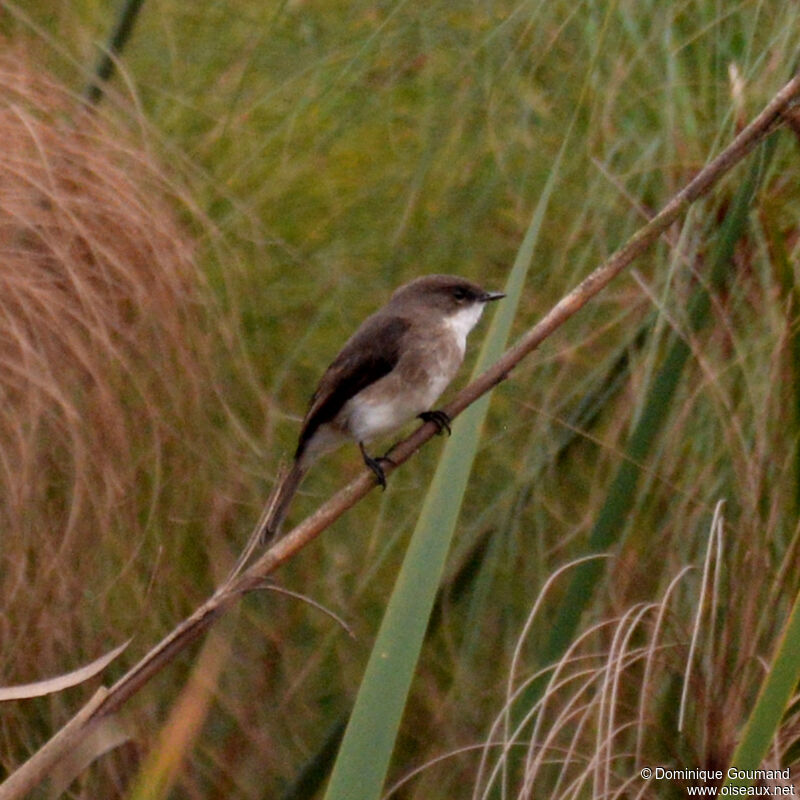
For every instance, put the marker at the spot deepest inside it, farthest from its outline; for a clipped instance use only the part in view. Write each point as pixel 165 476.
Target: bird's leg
pixel 441 419
pixel 375 464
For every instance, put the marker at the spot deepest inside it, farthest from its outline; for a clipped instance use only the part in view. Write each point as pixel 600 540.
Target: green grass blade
pixel 317 768
pixel 366 750
pixel 773 698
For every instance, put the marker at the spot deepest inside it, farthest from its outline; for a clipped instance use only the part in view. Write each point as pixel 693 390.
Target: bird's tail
pixel 278 504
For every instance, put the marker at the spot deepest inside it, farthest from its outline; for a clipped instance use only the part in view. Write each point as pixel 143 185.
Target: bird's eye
pixel 460 293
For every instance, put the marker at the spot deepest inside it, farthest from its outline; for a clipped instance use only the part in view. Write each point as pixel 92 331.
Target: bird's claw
pixel 441 419
pixel 375 465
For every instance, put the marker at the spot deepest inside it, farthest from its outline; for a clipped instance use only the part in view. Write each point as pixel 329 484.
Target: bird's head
pixel 449 298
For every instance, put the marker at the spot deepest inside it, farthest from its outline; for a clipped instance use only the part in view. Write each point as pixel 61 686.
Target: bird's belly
pixel 390 403
pixel 372 420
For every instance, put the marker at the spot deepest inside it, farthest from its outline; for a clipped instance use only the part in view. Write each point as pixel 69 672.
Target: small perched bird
pixel 392 369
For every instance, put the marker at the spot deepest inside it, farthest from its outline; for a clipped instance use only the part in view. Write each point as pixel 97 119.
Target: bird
pixel 392 369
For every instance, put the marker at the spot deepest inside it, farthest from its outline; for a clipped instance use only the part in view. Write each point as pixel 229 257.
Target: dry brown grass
pixel 107 387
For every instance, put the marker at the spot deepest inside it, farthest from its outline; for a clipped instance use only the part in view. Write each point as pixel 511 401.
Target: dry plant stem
pixel 36 769
pixel 39 765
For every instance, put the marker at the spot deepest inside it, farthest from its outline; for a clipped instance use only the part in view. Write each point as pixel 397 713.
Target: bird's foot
pixel 375 465
pixel 441 419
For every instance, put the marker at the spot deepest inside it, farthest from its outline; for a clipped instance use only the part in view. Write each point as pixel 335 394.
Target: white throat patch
pixel 463 321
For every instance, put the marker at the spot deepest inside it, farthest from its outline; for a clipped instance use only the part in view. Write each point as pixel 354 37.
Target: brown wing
pixel 372 352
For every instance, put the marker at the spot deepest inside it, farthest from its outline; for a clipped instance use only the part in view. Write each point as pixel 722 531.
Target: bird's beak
pixel 488 296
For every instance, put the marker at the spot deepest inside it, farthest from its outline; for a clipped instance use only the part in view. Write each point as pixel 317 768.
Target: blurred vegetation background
pixel 180 267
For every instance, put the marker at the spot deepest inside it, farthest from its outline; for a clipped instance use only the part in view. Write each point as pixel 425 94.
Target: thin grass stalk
pixel 713 553
pixel 609 693
pixel 659 624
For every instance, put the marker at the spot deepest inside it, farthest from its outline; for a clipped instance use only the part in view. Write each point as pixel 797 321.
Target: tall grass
pixel 331 151
pixel 108 375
